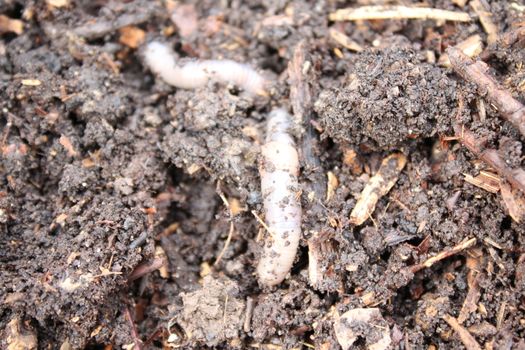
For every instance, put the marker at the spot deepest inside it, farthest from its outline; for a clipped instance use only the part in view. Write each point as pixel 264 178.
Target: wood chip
pixel 485 180
pixel 31 82
pixel 9 25
pixel 485 17
pixel 472 47
pixel 470 304
pixel 193 168
pixel 66 143
pixel 397 12
pixel 466 338
pixel 351 159
pixel 132 36
pixel 161 254
pixel 514 201
pixel 343 40
pixel 58 3
pixel 460 3
pixel 331 185
pixel 377 187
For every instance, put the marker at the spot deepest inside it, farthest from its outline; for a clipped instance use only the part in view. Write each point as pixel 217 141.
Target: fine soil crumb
pixel 387 98
pixel 214 313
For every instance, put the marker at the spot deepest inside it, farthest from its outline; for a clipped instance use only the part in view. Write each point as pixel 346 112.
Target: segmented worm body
pixel 279 172
pixel 161 60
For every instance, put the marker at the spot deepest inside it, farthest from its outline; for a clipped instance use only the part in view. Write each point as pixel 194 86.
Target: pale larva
pixel 160 59
pixel 279 172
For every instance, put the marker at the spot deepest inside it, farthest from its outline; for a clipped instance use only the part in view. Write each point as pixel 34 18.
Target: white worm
pixel 279 172
pixel 161 60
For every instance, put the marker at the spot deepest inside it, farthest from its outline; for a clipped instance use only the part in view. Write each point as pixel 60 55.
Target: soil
pixel 107 173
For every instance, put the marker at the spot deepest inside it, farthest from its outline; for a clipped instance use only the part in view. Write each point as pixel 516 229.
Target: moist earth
pixel 106 170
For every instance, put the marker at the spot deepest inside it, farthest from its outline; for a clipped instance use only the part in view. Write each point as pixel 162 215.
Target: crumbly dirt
pixel 105 169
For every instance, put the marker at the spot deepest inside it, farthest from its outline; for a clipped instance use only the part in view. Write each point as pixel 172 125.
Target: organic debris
pixel 378 186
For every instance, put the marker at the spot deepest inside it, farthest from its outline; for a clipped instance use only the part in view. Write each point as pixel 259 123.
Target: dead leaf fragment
pixel 363 323
pixel 131 36
pixel 378 186
pixel 9 25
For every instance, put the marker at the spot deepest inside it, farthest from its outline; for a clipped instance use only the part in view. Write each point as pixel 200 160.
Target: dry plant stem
pixel 466 338
pixel 505 40
pixel 476 72
pixel 516 177
pixel 134 334
pixel 343 40
pixel 397 12
pixel 443 255
pixel 145 268
pixel 377 187
pixel 279 172
pixel 485 17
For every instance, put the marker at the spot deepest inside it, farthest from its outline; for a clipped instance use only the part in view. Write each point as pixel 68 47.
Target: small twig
pixel 146 267
pixel 443 255
pixel 476 72
pixel 466 338
pixel 516 177
pixel 397 12
pixel 134 334
pixel 261 221
pixel 343 40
